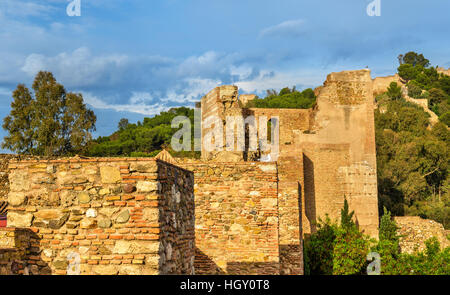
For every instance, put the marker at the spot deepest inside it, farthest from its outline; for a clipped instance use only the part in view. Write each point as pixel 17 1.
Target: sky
pixel 135 58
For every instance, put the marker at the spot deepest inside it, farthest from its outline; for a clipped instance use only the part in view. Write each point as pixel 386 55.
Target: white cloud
pixel 149 84
pixel 19 8
pixel 290 28
pixel 139 108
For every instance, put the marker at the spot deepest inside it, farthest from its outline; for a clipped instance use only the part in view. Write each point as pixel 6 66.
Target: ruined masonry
pixel 227 213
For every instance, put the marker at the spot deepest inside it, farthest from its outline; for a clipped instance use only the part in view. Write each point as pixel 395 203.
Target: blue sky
pixel 135 58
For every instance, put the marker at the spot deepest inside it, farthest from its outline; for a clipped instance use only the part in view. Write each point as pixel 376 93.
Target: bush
pixel 445 118
pixel 337 249
pixel 286 98
pixel 394 91
pixel 414 90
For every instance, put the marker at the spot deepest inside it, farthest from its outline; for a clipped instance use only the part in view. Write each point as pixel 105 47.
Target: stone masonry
pixel 325 154
pixel 414 231
pixel 139 216
pixel 115 215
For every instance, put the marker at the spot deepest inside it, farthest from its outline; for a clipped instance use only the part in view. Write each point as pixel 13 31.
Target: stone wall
pixel 121 216
pixel 339 152
pixel 19 253
pixel 381 84
pixel 236 211
pixel 4 172
pixel 414 231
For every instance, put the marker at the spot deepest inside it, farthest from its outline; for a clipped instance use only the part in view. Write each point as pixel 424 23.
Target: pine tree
pixel 346 216
pixel 388 228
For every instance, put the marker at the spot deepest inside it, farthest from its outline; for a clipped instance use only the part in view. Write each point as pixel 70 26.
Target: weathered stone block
pixel 16 219
pixel 150 214
pixel 123 217
pixel 16 198
pixel 149 167
pixel 84 198
pixel 88 223
pixel 60 264
pixel 136 247
pixel 146 186
pixel 48 214
pixel 110 174
pixel 104 223
pixel 108 211
pixel 91 212
pixel 19 181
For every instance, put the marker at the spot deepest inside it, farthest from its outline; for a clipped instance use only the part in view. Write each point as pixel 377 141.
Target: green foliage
pixel 144 139
pixel 414 59
pixel 425 82
pixel 334 249
pixel 123 124
pixel 318 249
pixel 53 123
pixel 388 228
pixel 436 96
pixel 350 252
pixel 414 89
pixel 412 161
pixel 445 118
pixel 394 91
pixel 286 98
pixel 408 72
pixel 346 216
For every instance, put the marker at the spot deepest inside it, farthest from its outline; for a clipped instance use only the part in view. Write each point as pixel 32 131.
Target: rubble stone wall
pixel 116 215
pixel 414 231
pixel 236 211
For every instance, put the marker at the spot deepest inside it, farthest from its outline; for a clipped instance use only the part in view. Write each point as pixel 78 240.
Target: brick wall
pixel 236 211
pixel 121 216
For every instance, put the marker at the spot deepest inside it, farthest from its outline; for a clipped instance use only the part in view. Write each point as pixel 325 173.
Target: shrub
pixel 342 250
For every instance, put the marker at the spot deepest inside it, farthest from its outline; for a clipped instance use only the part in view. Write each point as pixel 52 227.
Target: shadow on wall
pixel 20 253
pixel 206 266
pixel 310 197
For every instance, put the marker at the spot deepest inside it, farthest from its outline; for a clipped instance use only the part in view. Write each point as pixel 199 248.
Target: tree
pixel 414 90
pixel 414 59
pixel 394 91
pixel 407 72
pixel 123 124
pixel 145 138
pixel 346 216
pixel 287 98
pixel 388 228
pixel 436 96
pixel 77 122
pixel 445 118
pixel 54 122
pixel 19 122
